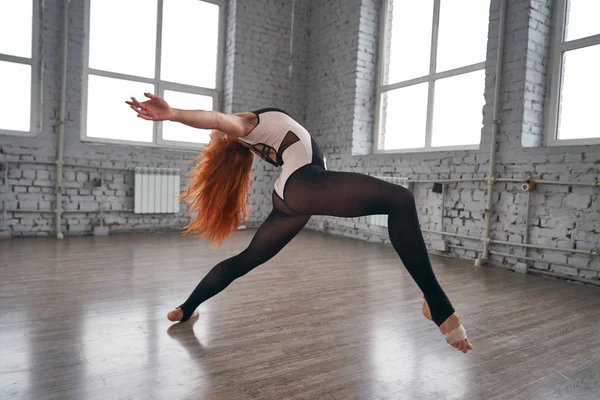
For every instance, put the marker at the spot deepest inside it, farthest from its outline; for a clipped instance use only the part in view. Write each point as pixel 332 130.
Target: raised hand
pixel 155 109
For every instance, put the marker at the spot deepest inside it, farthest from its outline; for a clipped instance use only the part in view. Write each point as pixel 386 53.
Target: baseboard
pixel 101 230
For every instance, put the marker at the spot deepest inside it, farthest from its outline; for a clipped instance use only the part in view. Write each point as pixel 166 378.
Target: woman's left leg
pixel 315 191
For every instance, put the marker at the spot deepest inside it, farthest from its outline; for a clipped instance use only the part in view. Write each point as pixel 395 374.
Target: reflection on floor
pixel 328 318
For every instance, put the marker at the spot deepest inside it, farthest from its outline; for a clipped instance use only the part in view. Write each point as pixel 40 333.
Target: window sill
pixel 429 149
pixel 173 146
pixel 24 134
pixel 573 142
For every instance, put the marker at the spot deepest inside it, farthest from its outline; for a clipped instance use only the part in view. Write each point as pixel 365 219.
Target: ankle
pixel 452 322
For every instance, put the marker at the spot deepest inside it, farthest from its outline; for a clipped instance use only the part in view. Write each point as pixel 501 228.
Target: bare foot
pixel 449 324
pixel 426 311
pixel 177 314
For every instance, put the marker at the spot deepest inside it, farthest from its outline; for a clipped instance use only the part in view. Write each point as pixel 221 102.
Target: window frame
pixel 160 85
pixel 35 118
pixel 430 78
pixel 559 48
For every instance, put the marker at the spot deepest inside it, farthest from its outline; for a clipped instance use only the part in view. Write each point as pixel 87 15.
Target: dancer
pixel 219 191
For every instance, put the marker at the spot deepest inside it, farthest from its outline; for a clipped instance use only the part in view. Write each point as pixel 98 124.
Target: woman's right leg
pixel 313 190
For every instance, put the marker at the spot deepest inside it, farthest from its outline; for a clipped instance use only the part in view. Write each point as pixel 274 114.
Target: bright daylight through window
pixel 575 79
pixel 146 47
pixel 431 91
pixel 18 67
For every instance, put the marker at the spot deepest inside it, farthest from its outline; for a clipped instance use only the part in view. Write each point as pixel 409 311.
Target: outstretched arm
pixel 231 125
pixel 157 109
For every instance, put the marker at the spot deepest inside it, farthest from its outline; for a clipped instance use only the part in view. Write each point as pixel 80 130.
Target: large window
pixel 574 98
pixel 432 77
pixel 19 67
pixel 168 47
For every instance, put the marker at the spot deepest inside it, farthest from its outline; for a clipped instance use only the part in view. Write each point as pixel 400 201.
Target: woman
pixel 305 187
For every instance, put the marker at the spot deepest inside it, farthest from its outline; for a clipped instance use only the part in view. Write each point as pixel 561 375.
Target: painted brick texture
pixel 268 67
pixel 561 216
pixel 263 68
pixel 39 181
pixel 318 60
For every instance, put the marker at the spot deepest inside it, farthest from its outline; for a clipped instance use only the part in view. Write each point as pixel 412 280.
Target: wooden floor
pixel 328 318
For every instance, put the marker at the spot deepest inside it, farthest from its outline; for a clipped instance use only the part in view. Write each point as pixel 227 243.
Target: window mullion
pixel 556 71
pixel 16 59
pixel 221 53
pixel 561 46
pixel 580 43
pixel 157 63
pixel 118 75
pixel 36 94
pixel 561 22
pixel 434 37
pixel 378 131
pixel 181 87
pixel 432 67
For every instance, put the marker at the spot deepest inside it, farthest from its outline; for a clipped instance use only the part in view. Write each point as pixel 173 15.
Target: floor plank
pixel 328 318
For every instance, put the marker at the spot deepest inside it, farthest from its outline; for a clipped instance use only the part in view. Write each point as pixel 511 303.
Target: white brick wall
pixel 264 71
pixel 520 151
pixel 33 186
pixel 257 55
pixel 331 89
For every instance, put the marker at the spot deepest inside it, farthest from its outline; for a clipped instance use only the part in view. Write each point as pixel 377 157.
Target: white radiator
pixel 156 190
pixel 382 220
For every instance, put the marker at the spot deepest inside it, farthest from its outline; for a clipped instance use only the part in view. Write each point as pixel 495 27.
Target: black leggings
pixel 312 190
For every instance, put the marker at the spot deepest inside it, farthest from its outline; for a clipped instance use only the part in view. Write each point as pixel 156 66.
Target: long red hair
pixel 218 191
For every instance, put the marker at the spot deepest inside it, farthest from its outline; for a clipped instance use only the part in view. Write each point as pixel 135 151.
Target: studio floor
pixel 327 318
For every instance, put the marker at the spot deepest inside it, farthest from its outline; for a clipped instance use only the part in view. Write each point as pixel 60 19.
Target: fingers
pixel 151 96
pixel 140 108
pixel 139 111
pixel 137 103
pixel 137 106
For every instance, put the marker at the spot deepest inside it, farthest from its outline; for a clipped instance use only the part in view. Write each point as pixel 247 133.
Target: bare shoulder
pixel 235 124
pixel 249 120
